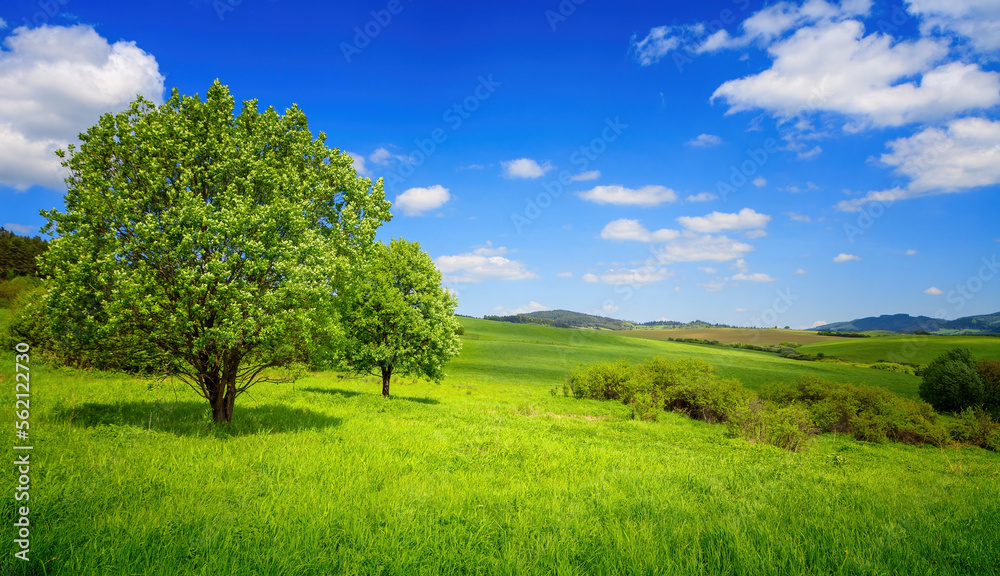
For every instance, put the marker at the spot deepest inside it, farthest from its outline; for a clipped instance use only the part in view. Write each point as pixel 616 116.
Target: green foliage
pixel 975 426
pixel 868 413
pixel 707 399
pixel 989 372
pixel 788 427
pixel 951 383
pixel 215 238
pixel 19 255
pixel 604 381
pixel 397 317
pixel 896 367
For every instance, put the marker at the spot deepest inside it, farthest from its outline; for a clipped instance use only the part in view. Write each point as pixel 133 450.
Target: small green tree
pixel 397 317
pixel 213 238
pixel 951 383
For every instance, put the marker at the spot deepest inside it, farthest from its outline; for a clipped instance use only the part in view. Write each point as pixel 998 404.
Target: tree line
pixel 18 254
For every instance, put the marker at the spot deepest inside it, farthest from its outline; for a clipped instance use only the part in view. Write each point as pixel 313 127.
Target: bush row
pixel 783 415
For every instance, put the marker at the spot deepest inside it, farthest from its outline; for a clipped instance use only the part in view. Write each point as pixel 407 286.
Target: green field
pixel 912 349
pixel 485 473
pixel 758 336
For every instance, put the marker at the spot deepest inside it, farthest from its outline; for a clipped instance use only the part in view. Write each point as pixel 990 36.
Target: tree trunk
pixel 386 375
pixel 222 395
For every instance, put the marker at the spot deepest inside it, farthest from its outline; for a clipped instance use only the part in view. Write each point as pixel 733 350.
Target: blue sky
pixel 769 164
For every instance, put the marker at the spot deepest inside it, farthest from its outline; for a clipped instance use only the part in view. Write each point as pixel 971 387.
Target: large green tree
pixel 397 317
pixel 216 238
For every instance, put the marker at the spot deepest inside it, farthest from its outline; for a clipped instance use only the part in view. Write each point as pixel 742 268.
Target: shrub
pixel 789 427
pixel 989 373
pixel 646 406
pixel 868 413
pixel 708 399
pixel 895 367
pixel 951 383
pixel 604 381
pixel 974 426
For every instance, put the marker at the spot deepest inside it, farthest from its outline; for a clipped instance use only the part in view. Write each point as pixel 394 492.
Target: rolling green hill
pixel 902 348
pixel 485 473
pixel 984 324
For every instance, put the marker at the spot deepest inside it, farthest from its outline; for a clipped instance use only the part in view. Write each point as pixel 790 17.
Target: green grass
pixel 912 349
pixel 758 336
pixel 486 473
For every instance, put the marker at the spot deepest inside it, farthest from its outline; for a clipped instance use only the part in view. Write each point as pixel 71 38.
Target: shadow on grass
pixel 352 393
pixel 194 418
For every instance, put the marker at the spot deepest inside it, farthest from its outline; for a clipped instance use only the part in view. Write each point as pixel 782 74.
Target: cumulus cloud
pixel 975 20
pixel 590 278
pixel 701 197
pixel 629 276
pixel 841 258
pixel 745 219
pixel 934 291
pixel 835 67
pixel 481 264
pixel 625 229
pixel 705 141
pixel 57 82
pixel 525 168
pixel 417 201
pixel 530 307
pixel 620 195
pixel 707 248
pixel 584 176
pixel 961 156
pixel 359 163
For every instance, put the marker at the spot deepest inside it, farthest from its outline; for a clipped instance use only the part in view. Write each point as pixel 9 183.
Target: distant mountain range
pixel 983 324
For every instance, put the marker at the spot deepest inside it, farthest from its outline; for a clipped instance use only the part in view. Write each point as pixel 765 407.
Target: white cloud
pixel 964 155
pixel 708 248
pixel 21 229
pixel 359 163
pixel 3 24
pixel 705 141
pixel 977 20
pixel 564 275
pixel 625 229
pixel 819 323
pixel 481 264
pixel 530 307
pixel 380 156
pixel 660 41
pixel 754 277
pixel 417 201
pixel 834 67
pixel 701 197
pixel 609 308
pixel 588 175
pixel 707 269
pixel 911 252
pixel 800 272
pixel 840 258
pixel 934 291
pixel 645 196
pixel 760 182
pixel 629 276
pixel 57 82
pixel 807 187
pixel 713 285
pixel 746 218
pixel 754 234
pixel 796 217
pixel 524 168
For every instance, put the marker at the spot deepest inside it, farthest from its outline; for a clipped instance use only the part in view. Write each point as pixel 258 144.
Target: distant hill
pixel 570 319
pixel 983 324
pixel 565 319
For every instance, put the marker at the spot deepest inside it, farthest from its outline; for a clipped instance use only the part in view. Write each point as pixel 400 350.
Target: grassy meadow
pixel 488 472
